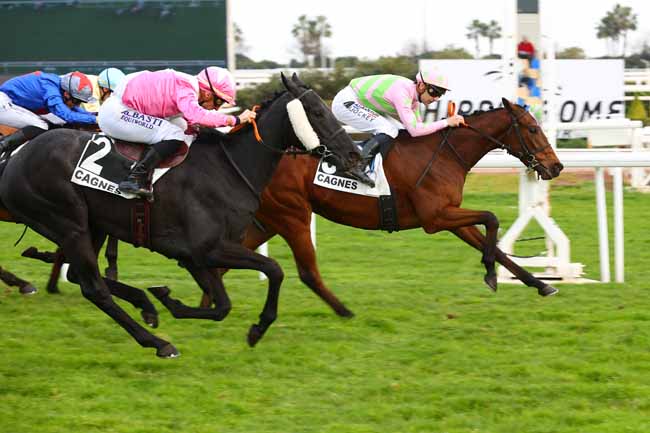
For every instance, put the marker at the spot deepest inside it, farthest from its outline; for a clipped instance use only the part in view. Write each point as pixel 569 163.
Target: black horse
pixel 199 216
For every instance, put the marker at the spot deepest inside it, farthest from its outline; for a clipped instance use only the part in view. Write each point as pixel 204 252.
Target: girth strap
pixel 388 213
pixel 141 223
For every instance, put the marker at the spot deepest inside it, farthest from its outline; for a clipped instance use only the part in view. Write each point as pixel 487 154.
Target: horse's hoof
pixel 27 289
pixel 150 319
pixel 547 290
pixel 159 291
pixel 255 334
pixel 30 253
pixel 344 312
pixel 491 281
pixel 168 351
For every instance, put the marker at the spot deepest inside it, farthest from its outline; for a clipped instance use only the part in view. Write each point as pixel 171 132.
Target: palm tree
pixel 310 34
pixel 492 32
pixel 617 23
pixel 475 30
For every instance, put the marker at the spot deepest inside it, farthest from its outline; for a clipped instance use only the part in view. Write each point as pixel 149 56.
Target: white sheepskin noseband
pixel 301 125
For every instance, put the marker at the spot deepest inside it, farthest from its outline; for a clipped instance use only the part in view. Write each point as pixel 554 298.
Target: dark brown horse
pixel 443 159
pixel 24 287
pixel 200 213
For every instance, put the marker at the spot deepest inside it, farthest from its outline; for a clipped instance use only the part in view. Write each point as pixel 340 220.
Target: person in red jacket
pixel 525 49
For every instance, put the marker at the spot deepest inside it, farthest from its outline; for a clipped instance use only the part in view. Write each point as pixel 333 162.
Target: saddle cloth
pixel 327 177
pixel 105 162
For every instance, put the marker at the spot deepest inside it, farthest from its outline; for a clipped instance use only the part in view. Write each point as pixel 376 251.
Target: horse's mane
pixel 481 112
pixel 213 136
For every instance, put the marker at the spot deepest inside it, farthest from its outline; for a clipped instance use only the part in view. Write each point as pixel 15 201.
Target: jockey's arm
pixel 56 106
pixel 188 104
pixel 413 122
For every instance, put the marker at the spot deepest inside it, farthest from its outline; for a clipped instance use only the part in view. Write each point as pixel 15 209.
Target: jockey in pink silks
pixel 384 104
pixel 157 108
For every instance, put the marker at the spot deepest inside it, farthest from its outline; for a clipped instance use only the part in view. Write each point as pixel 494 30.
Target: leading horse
pixel 427 175
pixel 201 208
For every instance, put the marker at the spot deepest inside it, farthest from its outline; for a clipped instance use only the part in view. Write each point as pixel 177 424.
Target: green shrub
pixel 637 111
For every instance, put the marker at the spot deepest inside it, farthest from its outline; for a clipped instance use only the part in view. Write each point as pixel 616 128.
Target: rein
pixel 321 150
pixel 526 155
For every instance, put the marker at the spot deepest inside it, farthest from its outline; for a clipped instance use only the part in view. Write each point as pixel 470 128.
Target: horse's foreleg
pixel 254 237
pixel 453 218
pixel 236 256
pixel 475 238
pixel 24 287
pixel 137 298
pixel 305 257
pixel 211 286
pixel 111 257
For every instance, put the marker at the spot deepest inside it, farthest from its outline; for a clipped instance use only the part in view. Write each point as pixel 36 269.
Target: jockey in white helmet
pixel 384 104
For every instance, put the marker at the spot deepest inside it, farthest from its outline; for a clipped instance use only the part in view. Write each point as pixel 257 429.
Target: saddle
pixel 133 151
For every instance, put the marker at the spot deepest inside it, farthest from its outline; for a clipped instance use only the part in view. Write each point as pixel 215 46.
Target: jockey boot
pixel 12 141
pixel 372 145
pixel 137 181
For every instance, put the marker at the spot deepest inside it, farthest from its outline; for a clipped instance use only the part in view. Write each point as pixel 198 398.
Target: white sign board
pixel 585 88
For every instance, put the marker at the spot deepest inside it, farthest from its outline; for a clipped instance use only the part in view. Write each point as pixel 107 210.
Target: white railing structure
pixel 560 260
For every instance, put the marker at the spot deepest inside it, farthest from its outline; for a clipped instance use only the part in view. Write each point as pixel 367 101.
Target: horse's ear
pixel 291 87
pixel 506 104
pixel 297 80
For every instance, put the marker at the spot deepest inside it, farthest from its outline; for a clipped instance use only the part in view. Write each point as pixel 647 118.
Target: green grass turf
pixel 431 349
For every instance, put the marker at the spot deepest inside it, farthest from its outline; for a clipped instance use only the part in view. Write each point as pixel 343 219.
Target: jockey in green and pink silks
pixel 384 104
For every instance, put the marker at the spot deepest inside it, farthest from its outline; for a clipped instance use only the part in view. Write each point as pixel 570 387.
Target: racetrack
pixel 431 349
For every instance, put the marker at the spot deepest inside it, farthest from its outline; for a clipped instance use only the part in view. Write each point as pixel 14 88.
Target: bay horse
pixel 427 175
pixel 201 208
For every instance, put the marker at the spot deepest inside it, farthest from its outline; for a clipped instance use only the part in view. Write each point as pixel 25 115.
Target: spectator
pixel 525 49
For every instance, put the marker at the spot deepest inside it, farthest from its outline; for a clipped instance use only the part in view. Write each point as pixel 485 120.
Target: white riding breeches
pixel 124 123
pixel 348 110
pixel 18 117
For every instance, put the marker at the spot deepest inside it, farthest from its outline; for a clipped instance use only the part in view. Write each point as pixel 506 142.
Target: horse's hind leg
pixel 475 238
pixel 24 287
pixel 83 258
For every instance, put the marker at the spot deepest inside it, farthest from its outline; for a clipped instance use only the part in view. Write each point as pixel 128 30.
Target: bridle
pixel 322 150
pixel 526 155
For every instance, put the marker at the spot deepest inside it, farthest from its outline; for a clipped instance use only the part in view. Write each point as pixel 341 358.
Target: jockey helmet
pixel 78 86
pixel 433 78
pixel 219 81
pixel 110 78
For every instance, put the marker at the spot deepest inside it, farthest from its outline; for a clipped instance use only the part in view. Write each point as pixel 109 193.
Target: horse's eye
pixel 532 129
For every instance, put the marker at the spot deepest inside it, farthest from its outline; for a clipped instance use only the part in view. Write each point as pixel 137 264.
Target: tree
pixel 571 53
pixel 617 23
pixel 475 30
pixel 637 111
pixel 240 45
pixel 492 32
pixel 449 52
pixel 310 34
